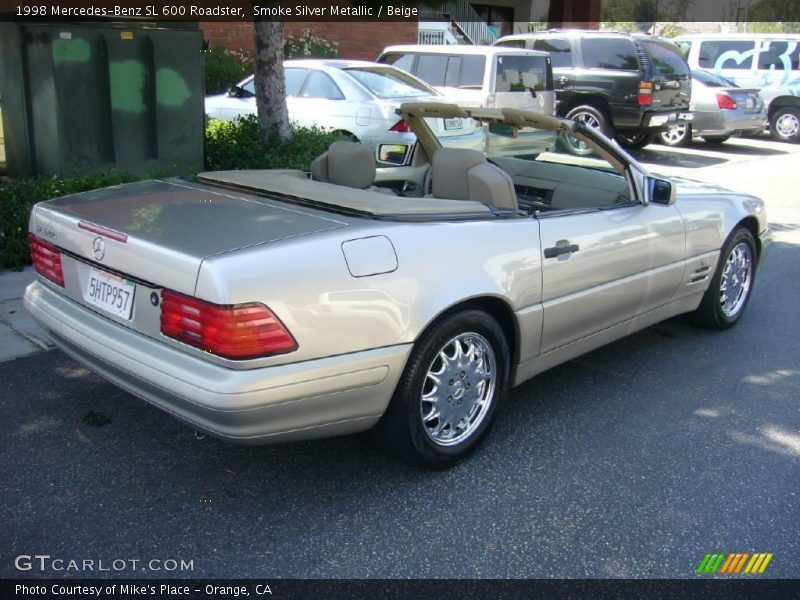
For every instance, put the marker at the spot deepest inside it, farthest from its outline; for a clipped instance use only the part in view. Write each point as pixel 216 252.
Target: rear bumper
pixel 661 121
pixel 728 122
pixel 317 398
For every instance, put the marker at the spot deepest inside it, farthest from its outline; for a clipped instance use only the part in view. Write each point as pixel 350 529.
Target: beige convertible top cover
pixel 294 183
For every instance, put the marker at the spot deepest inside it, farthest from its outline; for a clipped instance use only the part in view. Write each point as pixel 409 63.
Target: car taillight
pixel 645 93
pixel 401 127
pixel 238 331
pixel 46 259
pixel 725 102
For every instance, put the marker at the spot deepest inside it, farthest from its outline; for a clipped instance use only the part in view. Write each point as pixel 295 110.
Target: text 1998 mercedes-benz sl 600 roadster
pixel 264 306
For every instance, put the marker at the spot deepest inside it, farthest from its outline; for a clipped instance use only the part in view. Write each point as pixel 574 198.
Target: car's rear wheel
pixel 718 139
pixel 729 292
pixel 677 135
pixel 447 398
pixel 784 125
pixel 636 139
pixel 590 117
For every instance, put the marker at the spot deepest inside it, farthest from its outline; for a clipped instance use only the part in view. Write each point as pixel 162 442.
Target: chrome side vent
pixel 700 274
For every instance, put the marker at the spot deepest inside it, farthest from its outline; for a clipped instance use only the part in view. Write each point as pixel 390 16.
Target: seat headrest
pixel 461 174
pixel 345 163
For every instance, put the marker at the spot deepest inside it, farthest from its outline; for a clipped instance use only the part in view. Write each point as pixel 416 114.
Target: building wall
pixel 358 40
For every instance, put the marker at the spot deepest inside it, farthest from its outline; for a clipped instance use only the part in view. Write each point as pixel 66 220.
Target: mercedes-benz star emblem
pixel 98 248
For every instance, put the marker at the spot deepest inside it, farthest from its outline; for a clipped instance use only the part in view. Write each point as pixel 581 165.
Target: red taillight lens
pixel 239 331
pixel 46 259
pixel 645 93
pixel 401 127
pixel 725 102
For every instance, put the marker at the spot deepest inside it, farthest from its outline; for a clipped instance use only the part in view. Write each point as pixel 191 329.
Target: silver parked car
pixel 356 98
pixel 264 306
pixel 721 110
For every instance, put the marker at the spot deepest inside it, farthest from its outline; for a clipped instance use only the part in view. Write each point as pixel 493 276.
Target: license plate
pixel 454 123
pixel 109 292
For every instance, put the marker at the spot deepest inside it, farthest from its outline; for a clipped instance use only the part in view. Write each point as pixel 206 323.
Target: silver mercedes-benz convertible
pixel 264 306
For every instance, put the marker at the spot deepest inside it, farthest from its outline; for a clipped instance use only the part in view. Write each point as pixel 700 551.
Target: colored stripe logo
pixel 734 563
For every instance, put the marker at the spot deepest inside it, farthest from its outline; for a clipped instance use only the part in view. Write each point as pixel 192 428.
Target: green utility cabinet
pixel 89 97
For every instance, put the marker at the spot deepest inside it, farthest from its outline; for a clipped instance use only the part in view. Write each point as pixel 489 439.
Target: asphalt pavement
pixel 632 461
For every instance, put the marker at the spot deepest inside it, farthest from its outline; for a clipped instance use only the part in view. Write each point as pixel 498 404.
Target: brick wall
pixel 359 40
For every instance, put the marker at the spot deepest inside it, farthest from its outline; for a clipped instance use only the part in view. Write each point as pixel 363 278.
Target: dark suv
pixel 628 86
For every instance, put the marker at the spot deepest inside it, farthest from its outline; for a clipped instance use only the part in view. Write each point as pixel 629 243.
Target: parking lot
pixel 632 461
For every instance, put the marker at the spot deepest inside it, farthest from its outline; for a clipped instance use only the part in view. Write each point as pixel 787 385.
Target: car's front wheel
pixel 448 395
pixel 729 292
pixel 784 125
pixel 677 135
pixel 591 117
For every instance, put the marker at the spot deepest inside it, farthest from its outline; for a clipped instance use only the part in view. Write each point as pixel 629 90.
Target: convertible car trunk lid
pixel 160 231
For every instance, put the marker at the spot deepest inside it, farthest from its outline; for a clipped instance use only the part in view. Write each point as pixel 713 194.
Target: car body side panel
pixel 329 311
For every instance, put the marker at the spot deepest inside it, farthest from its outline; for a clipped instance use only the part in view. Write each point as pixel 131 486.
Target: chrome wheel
pixel 737 277
pixel 675 135
pixel 589 120
pixel 458 389
pixel 787 125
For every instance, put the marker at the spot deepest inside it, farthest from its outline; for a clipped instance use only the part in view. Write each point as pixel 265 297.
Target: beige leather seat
pixel 345 163
pixel 461 174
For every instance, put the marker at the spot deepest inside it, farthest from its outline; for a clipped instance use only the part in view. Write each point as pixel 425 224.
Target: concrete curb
pixel 20 335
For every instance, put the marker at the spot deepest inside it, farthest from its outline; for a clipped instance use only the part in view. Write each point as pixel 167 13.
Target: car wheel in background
pixel 677 135
pixel 591 117
pixel 447 398
pixel 711 139
pixel 784 125
pixel 636 139
pixel 729 292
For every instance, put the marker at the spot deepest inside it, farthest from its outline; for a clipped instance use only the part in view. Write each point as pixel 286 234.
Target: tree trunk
pixel 273 117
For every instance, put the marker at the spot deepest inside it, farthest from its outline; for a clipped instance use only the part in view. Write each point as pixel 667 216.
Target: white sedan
pixel 357 98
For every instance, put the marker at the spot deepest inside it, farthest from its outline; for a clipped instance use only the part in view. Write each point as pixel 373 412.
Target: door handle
pixel 555 251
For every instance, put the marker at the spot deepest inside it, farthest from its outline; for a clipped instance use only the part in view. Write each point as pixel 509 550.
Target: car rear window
pixel 401 61
pixel 388 82
pixel 609 53
pixel 778 55
pixel 711 80
pixel 667 58
pixel 560 51
pixel 726 54
pixel 511 43
pixel 518 73
pixel 451 70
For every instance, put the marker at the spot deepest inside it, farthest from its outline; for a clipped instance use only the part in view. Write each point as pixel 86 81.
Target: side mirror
pixel 661 191
pixel 393 154
pixel 236 91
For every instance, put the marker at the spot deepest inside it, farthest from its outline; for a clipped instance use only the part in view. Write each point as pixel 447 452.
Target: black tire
pixel 676 142
pixel 401 430
pixel 710 313
pixel 636 139
pixel 721 139
pixel 784 125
